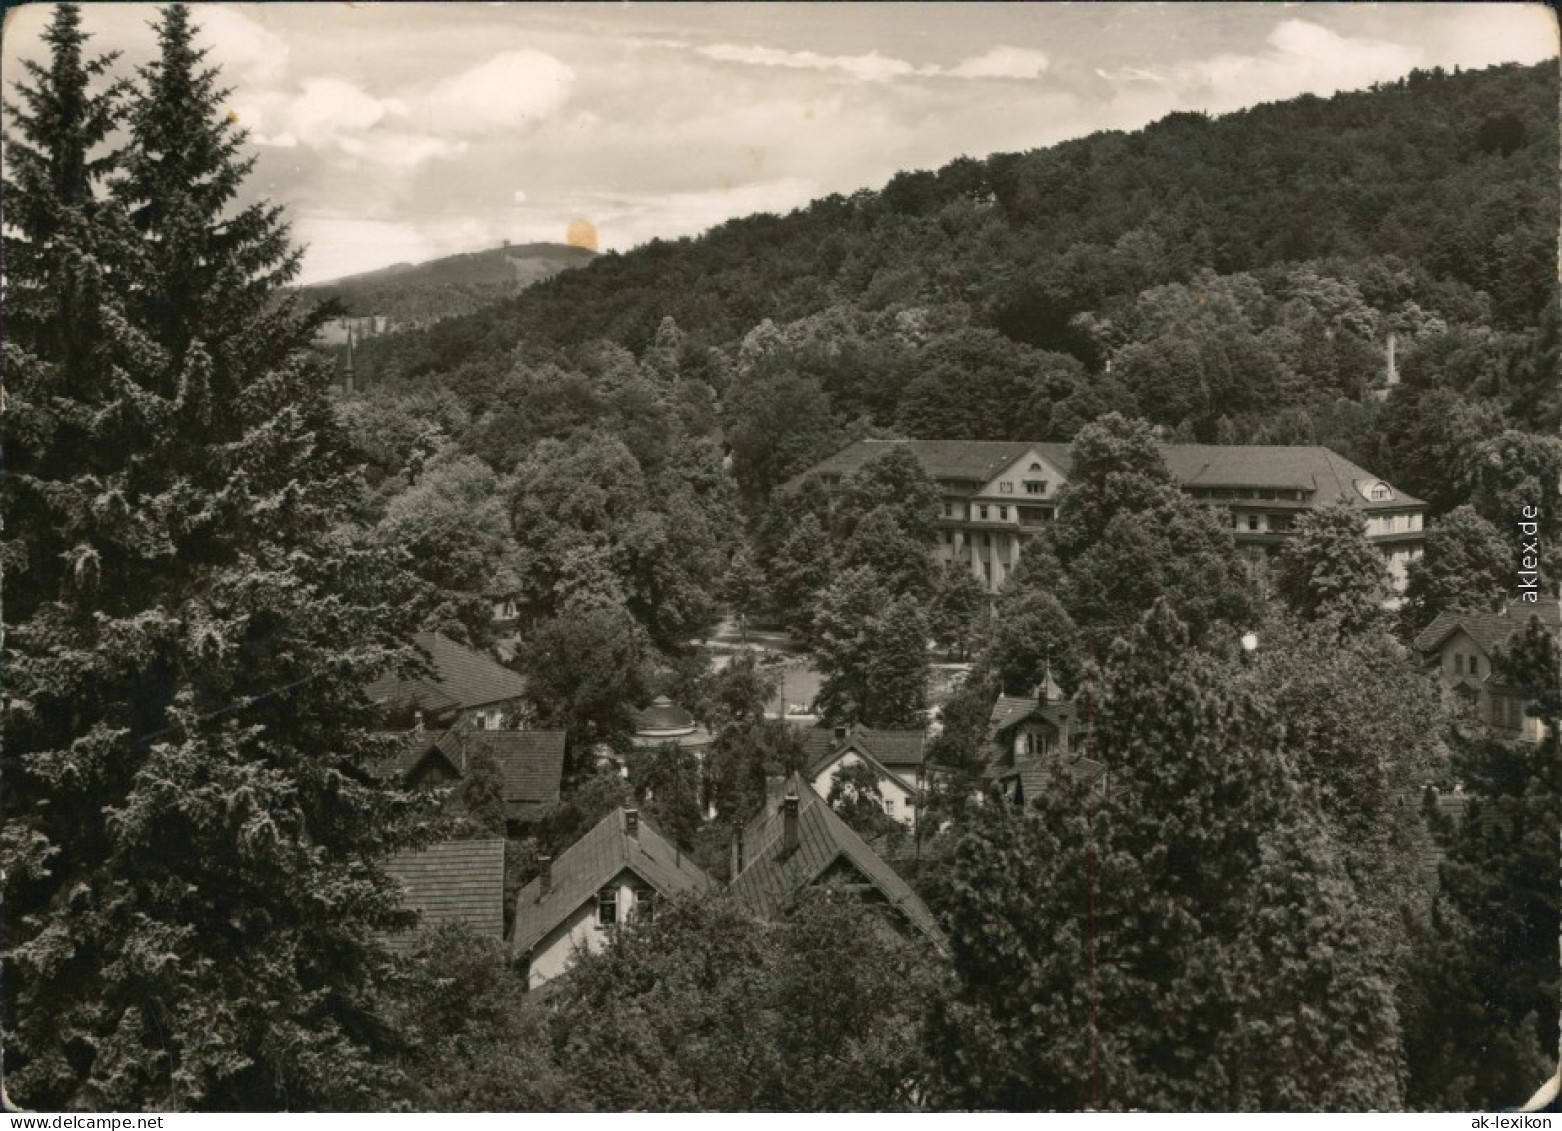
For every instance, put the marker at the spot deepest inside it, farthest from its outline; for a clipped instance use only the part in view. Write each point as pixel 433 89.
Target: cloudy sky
pixel 399 132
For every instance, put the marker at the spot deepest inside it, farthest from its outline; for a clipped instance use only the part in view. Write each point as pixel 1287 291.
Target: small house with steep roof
pixel 617 871
pixel 1461 647
pixel 897 757
pixel 799 842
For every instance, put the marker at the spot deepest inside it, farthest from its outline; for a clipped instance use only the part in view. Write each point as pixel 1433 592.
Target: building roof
pixel 1327 475
pixel 1034 776
pixel 901 751
pixel 531 761
pixel 591 862
pixel 663 716
pixel 456 880
pixel 1011 710
pixel 1489 630
pixel 771 877
pixel 458 678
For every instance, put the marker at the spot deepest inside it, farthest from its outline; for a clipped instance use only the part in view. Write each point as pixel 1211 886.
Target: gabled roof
pixel 591 862
pixel 771 877
pixel 1326 474
pixel 1489 630
pixel 459 678
pixel 456 880
pixel 860 749
pixel 899 750
pixel 532 761
pixel 1011 710
pixel 1034 776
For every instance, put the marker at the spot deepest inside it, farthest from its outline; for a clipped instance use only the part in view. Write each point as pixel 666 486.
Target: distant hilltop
pixel 417 294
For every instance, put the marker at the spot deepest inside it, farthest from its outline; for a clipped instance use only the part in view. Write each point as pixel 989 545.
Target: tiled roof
pixel 590 863
pixel 1327 475
pixel 901 751
pixel 460 880
pixel 459 678
pixel 770 879
pixel 1489 630
pixel 1011 710
pixel 532 761
pixel 1034 776
pixel 976 460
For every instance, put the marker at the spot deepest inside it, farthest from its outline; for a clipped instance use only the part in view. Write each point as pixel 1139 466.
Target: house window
pixel 1381 493
pixel 1006 487
pixel 1252 522
pixel 1475 665
pixel 1003 513
pixel 1035 467
pixel 607 907
pixel 1035 487
pixel 949 537
pixel 949 510
pixel 889 806
pixel 645 904
pixel 1458 663
pixel 982 512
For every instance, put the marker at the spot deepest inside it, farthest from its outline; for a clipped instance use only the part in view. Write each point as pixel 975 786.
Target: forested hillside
pixel 1236 279
pixel 420 293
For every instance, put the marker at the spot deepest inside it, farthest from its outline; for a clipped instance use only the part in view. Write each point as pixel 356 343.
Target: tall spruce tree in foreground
pixel 191 840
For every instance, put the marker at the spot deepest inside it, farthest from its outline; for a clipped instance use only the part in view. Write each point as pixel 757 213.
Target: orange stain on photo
pixel 581 233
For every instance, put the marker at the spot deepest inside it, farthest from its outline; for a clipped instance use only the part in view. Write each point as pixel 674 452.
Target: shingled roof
pixel 532 761
pixel 771 876
pixel 1327 475
pixel 457 880
pixel 899 750
pixel 593 860
pixel 1489 630
pixel 459 678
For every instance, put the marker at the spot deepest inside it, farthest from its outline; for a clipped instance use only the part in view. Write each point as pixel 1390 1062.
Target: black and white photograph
pixel 780 557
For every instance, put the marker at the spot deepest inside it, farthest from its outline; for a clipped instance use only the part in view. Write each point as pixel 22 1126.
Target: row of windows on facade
pixel 984 513
pixel 642 908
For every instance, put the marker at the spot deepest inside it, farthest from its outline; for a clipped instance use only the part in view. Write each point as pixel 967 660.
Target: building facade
pixel 1462 647
pixel 996 495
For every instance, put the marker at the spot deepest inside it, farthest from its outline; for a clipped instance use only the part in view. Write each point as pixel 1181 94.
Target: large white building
pixel 993 494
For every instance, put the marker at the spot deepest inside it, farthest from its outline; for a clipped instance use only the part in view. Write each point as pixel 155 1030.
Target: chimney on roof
pixel 545 875
pixel 632 822
pixel 417 720
pixel 789 834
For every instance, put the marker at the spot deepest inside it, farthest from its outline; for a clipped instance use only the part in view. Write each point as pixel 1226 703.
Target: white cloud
pixel 519 196
pixel 1299 56
pixel 503 93
pixel 250 54
pixel 871 67
pixel 400 151
pixel 1001 63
